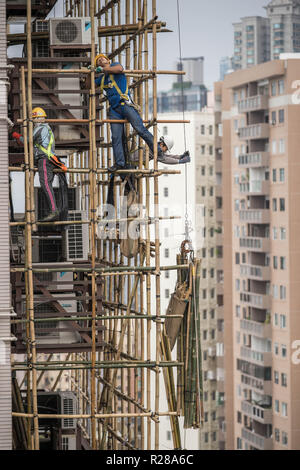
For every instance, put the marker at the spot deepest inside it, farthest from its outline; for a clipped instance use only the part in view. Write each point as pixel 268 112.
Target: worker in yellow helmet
pixel 46 160
pixel 114 82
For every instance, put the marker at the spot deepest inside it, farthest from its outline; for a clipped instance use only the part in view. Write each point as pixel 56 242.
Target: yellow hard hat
pixel 98 57
pixel 38 112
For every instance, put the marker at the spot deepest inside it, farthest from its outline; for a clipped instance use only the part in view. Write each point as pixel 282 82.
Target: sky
pixel 206 30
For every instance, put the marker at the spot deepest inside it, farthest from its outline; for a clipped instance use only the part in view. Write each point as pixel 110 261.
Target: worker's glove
pixel 186 154
pixel 57 162
pixel 185 158
pixel 17 137
pixel 97 69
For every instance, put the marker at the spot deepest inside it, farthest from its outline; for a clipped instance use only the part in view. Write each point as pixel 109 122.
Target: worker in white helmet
pixel 165 143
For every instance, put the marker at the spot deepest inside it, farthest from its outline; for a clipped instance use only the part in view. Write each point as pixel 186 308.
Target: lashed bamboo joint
pixel 115 364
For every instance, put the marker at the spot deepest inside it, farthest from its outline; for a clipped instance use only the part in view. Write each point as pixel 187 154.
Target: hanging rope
pixel 188 227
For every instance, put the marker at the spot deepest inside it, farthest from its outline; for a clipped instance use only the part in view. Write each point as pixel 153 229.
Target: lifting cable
pixel 188 227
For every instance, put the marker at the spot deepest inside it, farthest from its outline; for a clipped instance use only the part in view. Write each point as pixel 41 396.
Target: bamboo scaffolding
pixel 118 376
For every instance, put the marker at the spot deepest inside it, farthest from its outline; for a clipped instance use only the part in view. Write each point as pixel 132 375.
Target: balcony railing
pixel 255 187
pixel 261 244
pixel 254 131
pixel 253 103
pixel 260 442
pixel 255 160
pixel 262 330
pixel 261 273
pixel 255 300
pixel 258 216
pixel 263 415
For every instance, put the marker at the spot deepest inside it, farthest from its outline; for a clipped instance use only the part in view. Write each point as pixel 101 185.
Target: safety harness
pixel 53 158
pixel 114 84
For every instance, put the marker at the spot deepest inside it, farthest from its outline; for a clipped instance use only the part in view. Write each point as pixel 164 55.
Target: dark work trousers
pixel 46 175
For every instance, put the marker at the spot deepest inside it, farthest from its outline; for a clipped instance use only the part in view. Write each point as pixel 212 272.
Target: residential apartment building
pixel 226 66
pixel 284 19
pixel 258 116
pixel 200 177
pixel 251 41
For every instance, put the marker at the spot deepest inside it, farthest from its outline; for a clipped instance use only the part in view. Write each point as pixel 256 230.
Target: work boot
pixel 185 158
pixel 51 217
pixel 115 167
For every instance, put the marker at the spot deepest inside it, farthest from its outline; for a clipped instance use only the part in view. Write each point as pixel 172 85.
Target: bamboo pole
pixel 29 219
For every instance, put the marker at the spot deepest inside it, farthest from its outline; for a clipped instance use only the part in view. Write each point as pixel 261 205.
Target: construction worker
pixel 115 84
pixel 166 144
pixel 47 161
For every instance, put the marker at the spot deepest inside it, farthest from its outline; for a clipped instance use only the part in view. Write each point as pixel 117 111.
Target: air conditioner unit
pixel 76 243
pixel 58 403
pixel 71 31
pixel 56 277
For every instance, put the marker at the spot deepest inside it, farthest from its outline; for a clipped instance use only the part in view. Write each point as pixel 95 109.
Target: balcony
pixel 257 357
pixel 254 384
pixel 259 244
pixel 255 187
pixel 255 300
pixel 259 413
pixel 258 273
pixel 254 131
pixel 255 216
pixel 218 165
pixel 257 441
pixel 253 103
pixel 254 160
pixel 261 330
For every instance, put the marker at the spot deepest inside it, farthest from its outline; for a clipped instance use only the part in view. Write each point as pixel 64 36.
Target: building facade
pixel 251 41
pixel 258 114
pixel 284 17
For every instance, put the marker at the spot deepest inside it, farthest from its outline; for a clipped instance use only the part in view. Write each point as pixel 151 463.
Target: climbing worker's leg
pixel 131 114
pixel 117 131
pixel 63 191
pixel 46 176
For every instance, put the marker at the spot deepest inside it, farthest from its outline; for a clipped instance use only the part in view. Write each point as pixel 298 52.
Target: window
pixel 282 262
pixel 282 204
pixel 274 205
pixel 276 406
pixel 205 335
pixel 203 252
pixel 276 349
pixel 211 191
pixel 236 204
pixel 238 311
pixel 273 89
pixel 211 170
pixel 212 252
pixel 213 416
pixel 211 232
pixel 273 118
pixel 202 129
pixel 274 174
pixel 284 380
pixel 204 273
pixel 281 145
pixel 284 411
pixel 277 435
pixel 282 321
pixel 203 191
pixel 275 262
pixel 276 377
pixel 274 147
pixel 167 274
pixel 282 292
pixel 204 294
pixel 210 130
pixel 284 438
pixel 212 314
pixel 280 87
pixel 281 175
pixel 202 149
pixel 167 293
pixel 212 334
pixel 206 437
pixel 206 417
pixel 212 273
pixel 237 284
pixel 203 170
pixel 167 252
pixel 211 150
pixel 239 443
pixel 283 350
pixel 275 319
pixel 166 192
pixel 274 230
pixel 275 292
pixel 237 258
pixel 204 314
pixel 281 116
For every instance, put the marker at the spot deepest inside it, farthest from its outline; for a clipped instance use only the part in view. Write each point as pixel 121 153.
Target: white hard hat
pixel 168 141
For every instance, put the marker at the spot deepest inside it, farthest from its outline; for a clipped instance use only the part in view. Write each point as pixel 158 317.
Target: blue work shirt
pixel 111 93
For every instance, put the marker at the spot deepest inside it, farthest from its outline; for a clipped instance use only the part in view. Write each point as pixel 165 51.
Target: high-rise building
pixel 197 178
pixel 194 95
pixel 226 66
pixel 258 117
pixel 251 41
pixel 284 19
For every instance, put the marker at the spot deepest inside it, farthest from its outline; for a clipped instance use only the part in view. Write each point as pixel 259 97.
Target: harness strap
pixel 124 96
